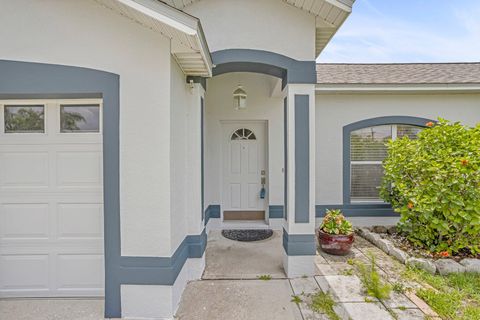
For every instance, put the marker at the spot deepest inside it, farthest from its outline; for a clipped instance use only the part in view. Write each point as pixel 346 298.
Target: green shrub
pixel 434 183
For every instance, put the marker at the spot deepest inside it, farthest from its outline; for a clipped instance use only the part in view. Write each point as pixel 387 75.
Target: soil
pixel 403 243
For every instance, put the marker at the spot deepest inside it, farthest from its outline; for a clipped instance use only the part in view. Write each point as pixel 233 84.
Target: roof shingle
pixel 399 73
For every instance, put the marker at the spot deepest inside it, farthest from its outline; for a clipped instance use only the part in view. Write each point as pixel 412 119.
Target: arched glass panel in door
pixel 243 134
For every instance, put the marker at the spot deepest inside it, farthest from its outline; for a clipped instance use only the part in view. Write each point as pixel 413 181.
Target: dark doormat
pixel 247 235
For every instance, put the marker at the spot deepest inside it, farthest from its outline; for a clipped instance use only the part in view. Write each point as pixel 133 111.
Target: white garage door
pixel 51 203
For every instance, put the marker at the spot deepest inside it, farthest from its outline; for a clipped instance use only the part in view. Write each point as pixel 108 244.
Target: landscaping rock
pixel 363 231
pixel 392 230
pixel 447 266
pixel 399 254
pixel 423 264
pixel 379 229
pixel 372 237
pixel 384 245
pixel 471 265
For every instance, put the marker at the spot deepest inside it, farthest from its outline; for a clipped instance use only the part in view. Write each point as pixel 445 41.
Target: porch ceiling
pixel 330 15
pixel 188 44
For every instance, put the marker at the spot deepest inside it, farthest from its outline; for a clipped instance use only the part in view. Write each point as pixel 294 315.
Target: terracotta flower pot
pixel 339 245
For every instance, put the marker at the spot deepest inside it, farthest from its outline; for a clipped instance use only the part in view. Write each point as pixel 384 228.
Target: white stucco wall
pixel 185 165
pixel 269 25
pixel 178 151
pixel 219 106
pixel 333 112
pixel 85 34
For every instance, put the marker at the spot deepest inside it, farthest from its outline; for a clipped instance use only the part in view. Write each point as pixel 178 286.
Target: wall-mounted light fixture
pixel 239 98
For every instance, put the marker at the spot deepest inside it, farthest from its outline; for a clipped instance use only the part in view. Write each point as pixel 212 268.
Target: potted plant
pixel 335 235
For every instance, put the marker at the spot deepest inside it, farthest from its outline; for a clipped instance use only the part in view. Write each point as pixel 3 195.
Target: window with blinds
pixel 367 151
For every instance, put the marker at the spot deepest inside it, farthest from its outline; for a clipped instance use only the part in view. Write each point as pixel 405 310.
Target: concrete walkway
pixel 228 259
pixel 238 300
pixel 231 288
pixel 336 277
pixel 51 309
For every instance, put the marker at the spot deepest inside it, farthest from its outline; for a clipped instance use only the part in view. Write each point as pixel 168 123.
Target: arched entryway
pixel 279 110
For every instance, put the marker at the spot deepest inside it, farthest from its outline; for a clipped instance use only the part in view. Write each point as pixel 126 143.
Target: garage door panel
pixel 24 169
pixel 24 272
pixel 87 271
pixel 80 220
pixel 51 211
pixel 76 169
pixel 24 221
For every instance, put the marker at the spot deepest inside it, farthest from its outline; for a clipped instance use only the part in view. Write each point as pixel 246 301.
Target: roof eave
pixel 397 88
pixel 179 21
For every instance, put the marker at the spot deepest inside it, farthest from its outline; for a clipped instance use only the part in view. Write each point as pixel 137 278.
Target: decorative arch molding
pixel 265 62
pixel 388 120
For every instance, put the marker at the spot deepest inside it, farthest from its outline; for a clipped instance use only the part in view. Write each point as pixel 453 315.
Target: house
pixel 129 128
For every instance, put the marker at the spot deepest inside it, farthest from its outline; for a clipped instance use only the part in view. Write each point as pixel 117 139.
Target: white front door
pixel 51 203
pixel 244 166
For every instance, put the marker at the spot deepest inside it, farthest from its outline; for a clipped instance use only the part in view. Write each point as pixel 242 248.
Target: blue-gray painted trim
pixel 285 157
pixel 259 61
pixel 202 156
pixel 302 158
pixel 364 124
pixel 196 79
pixel 23 80
pixel 358 210
pixel 349 210
pixel 275 211
pixel 161 270
pixel 299 244
pixel 212 211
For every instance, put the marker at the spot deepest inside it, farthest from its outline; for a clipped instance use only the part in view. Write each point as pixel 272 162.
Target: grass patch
pixel 371 280
pixel 296 299
pixel 265 277
pixel 454 297
pixel 445 304
pixel 398 287
pixel 323 303
pixel 348 272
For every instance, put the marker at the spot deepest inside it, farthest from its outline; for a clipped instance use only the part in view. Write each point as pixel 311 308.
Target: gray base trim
pixel 212 211
pixel 299 244
pixel 358 210
pixel 275 211
pixel 349 210
pixel 259 61
pixel 161 270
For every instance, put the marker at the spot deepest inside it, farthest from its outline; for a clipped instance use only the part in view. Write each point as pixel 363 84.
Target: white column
pixel 299 226
pixel 194 163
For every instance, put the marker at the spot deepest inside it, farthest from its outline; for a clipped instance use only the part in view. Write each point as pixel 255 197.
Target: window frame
pixel 23 103
pixel 79 103
pixel 372 122
pixel 51 113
